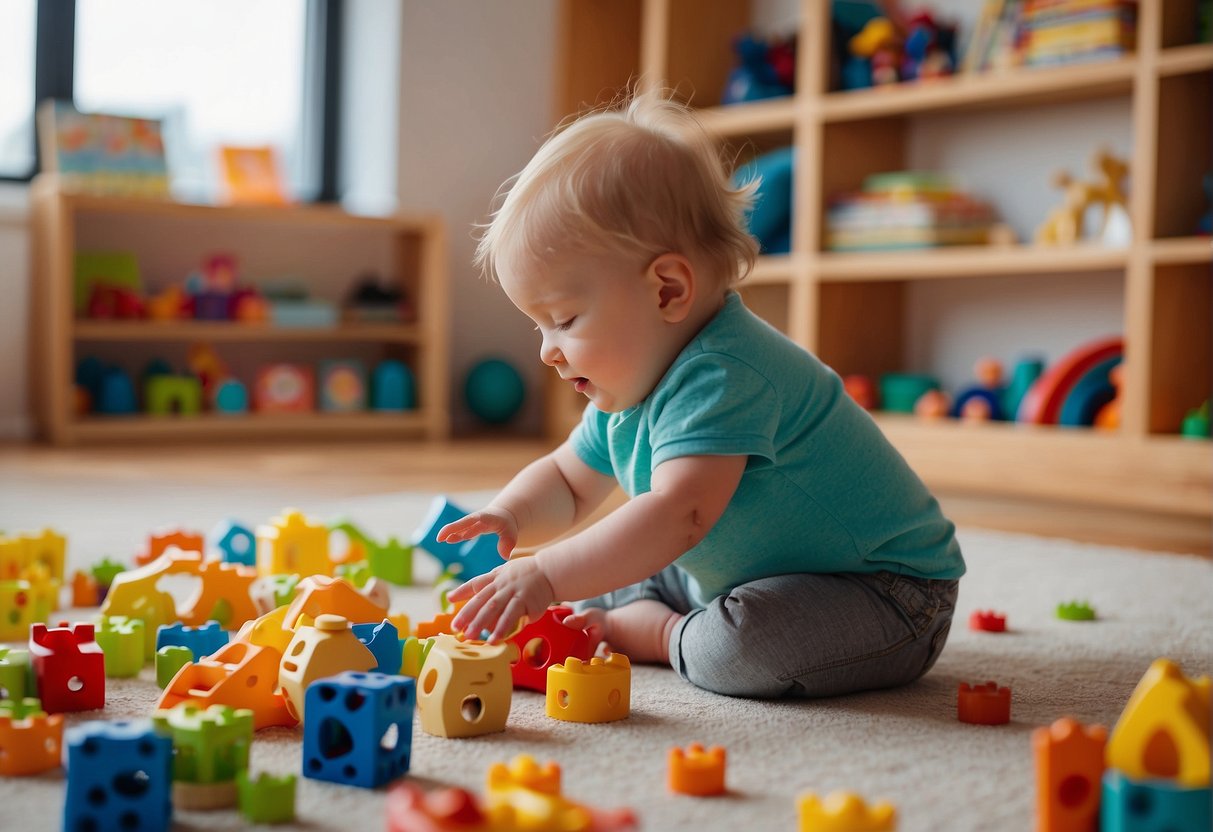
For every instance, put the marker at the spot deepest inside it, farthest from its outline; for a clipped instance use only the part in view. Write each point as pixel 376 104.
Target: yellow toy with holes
pixel 844 812
pixel 599 690
pixel 328 648
pixel 293 545
pixel 465 688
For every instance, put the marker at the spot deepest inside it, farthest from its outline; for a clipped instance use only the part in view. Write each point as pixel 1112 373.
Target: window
pixel 224 72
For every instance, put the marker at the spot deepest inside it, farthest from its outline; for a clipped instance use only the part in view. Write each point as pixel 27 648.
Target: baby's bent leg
pixel 815 635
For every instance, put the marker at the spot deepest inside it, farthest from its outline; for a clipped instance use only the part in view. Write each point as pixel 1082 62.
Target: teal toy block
pixel 121 641
pixel 22 708
pixel 392 561
pixel 236 541
pixel 169 660
pixel 211 746
pixel 356 573
pixel 1153 806
pixel 383 641
pixel 267 799
pixel 442 511
pixel 1075 611
pixel 16 674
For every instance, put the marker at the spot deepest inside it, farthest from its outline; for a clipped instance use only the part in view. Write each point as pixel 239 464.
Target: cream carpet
pixel 902 745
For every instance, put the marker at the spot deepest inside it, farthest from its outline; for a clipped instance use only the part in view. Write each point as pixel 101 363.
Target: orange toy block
pixel 697 772
pixel 84 590
pixel 1163 732
pixel 49 549
pixel 240 675
pixel 318 652
pixel 844 812
pixel 319 595
pixel 158 544
pixel 986 704
pixel 1069 767
pixel 225 595
pixel 524 772
pixel 439 625
pixel 599 690
pixel 31 745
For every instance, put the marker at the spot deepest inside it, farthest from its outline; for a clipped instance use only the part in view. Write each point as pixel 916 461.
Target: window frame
pixel 55 72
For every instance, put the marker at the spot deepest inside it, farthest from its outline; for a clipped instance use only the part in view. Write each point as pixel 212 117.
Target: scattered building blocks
pixel 357 543
pixel 293 544
pixel 158 544
pixel 319 595
pixel 599 690
pixel 409 809
pixel 359 730
pixel 988 621
pixel 392 561
pixel 118 776
pixel 316 652
pixel 442 511
pixel 383 641
pixel 104 572
pixel 121 640
pixel 210 747
pixel 30 741
pixel 266 799
pixel 267 631
pixel 465 688
pixel 1153 806
pixel 697 772
pixel 16 610
pixel 169 661
pixel 524 772
pixel 84 590
pixel 241 675
pixel 414 653
pixel 985 704
pixel 545 642
pixel 1069 765
pixel 514 804
pixel 844 812
pixel 1075 611
pixel 439 625
pixel 15 673
pixel 1163 732
pixel 201 641
pixel 14 557
pixel 69 667
pixel 236 541
pixel 356 572
pixel 47 548
pixel 273 591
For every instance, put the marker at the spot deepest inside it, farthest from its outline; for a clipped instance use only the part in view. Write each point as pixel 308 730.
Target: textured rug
pixel 905 746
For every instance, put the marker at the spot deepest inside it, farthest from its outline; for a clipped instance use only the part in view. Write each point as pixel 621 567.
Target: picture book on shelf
pixel 101 152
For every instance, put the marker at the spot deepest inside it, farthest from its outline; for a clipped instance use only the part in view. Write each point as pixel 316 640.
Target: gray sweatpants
pixel 803 634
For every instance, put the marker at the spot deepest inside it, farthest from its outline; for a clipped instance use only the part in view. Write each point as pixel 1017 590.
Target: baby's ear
pixel 673 278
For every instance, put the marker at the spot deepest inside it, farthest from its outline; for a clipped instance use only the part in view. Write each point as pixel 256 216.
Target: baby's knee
pixel 722 661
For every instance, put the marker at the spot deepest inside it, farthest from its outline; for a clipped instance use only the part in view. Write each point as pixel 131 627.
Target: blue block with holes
pixel 202 641
pixel 359 728
pixel 119 777
pixel 383 641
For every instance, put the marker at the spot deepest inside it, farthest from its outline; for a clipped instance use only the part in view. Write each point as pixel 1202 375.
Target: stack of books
pixel 907 210
pixel 1068 31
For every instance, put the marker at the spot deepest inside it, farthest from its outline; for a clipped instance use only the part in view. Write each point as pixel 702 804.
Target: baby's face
pixel 600 323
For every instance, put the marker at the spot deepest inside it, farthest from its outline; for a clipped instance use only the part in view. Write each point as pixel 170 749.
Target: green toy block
pixel 416 651
pixel 22 708
pixel 15 674
pixel 168 395
pixel 392 561
pixel 1195 424
pixel 357 537
pixel 153 610
pixel 267 799
pixel 356 573
pixel 169 660
pixel 221 612
pixel 1075 611
pixel 285 588
pixel 122 641
pixel 105 570
pixel 209 746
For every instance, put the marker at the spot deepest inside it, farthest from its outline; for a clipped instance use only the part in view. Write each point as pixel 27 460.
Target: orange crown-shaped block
pixel 696 771
pixel 31 745
pixel 986 704
pixel 845 812
pixel 1069 767
pixel 524 772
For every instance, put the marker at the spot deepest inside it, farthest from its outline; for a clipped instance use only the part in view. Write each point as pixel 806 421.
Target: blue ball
pixel 494 391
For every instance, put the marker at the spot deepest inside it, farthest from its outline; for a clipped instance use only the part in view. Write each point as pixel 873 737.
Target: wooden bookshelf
pixel 288 239
pixel 850 309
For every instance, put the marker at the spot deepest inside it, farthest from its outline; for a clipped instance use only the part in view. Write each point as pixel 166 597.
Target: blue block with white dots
pixel 359 728
pixel 119 777
pixel 202 641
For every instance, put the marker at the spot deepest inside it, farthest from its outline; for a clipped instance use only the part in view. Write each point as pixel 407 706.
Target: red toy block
pixel 69 666
pixel 1069 769
pixel 545 642
pixel 986 704
pixel 988 621
pixel 411 810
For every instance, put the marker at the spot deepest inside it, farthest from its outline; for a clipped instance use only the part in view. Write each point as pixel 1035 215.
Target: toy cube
pixel 599 690
pixel 16 610
pixel 236 541
pixel 201 641
pixel 267 799
pixel 169 660
pixel 392 561
pixel 121 641
pixel 359 730
pixel 210 746
pixel 465 688
pixel 69 666
pixel 1153 806
pixel 326 649
pixel 48 549
pixel 118 777
pixel 384 643
pixel 984 704
pixel 545 642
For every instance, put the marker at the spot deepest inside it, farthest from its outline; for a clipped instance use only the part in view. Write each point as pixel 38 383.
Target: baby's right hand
pixel 490 520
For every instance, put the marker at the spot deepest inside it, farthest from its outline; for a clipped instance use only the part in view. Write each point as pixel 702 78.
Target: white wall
pixel 15 416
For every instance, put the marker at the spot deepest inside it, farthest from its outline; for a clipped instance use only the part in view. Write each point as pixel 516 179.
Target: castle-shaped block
pixel 599 690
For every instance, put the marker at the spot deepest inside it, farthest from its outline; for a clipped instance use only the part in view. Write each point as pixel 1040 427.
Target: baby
pixel 775 543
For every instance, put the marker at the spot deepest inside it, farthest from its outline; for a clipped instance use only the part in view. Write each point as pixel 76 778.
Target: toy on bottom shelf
pixel 985 704
pixel 211 747
pixel 844 812
pixel 1043 403
pixel 465 688
pixel 393 387
pixel 342 386
pixel 30 741
pixel 1069 764
pixel 988 621
pixel 545 642
pixel 266 799
pixel 1075 611
pixel 1195 424
pixel 982 401
pixel 284 388
pixel 118 777
pixel 494 391
pixel 697 772
pixel 360 729
pixel 69 667
pixel 599 690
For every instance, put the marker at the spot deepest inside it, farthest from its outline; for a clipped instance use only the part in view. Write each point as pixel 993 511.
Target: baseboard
pixel 16 428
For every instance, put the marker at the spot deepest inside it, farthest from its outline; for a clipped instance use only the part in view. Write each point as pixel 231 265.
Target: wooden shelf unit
pixel 850 309
pixel 410 247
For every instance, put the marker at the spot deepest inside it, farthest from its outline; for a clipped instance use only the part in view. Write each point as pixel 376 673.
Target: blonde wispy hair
pixel 644 177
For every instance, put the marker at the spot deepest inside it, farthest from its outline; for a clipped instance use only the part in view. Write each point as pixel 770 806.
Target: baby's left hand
pixel 497 600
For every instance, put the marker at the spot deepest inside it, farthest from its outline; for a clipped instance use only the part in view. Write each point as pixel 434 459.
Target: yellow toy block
pixel 16 610
pixel 524 772
pixel 47 548
pixel 317 652
pixel 1163 732
pixel 14 557
pixel 267 631
pixel 401 622
pixel 696 771
pixel 844 812
pixel 466 687
pixel 44 589
pixel 599 690
pixel 293 544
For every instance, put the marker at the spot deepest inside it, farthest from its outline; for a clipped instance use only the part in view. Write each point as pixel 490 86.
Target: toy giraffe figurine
pixel 1064 225
pixel 1114 227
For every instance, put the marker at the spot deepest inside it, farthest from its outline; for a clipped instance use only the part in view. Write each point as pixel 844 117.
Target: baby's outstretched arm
pixel 642 537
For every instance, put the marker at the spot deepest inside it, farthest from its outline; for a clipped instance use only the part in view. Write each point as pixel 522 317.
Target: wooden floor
pixel 352 469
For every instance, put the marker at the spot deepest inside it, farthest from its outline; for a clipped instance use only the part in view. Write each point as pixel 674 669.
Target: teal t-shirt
pixel 823 490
